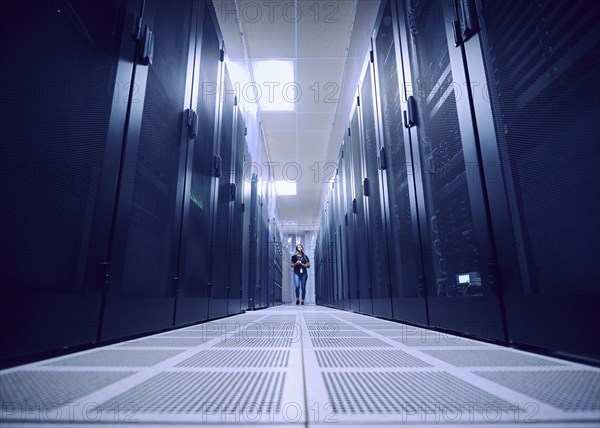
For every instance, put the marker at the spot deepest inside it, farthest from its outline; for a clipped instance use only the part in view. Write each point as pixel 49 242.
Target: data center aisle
pixel 300 365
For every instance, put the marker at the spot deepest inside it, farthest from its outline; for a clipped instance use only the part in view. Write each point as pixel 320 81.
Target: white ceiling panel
pixel 279 121
pixel 319 80
pixel 324 28
pixel 315 122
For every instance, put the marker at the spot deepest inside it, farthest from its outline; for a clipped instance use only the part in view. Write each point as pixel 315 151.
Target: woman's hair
pixel 299 245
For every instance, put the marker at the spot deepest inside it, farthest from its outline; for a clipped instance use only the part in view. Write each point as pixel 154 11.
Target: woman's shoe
pixel 302 303
pixel 298 302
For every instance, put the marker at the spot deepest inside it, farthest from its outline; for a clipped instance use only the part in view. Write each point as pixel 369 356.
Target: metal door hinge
pixel 221 55
pixel 358 101
pixel 371 56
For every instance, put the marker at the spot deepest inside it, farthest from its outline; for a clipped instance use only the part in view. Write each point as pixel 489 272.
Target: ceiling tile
pixel 319 81
pixel 324 28
pixel 315 122
pixel 279 121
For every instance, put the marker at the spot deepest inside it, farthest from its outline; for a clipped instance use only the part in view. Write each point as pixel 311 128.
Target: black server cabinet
pixel 219 271
pixel 65 86
pixel 146 231
pixel 342 233
pixel 246 232
pixel 234 255
pixel 398 186
pixel 462 292
pixel 192 300
pixel 537 110
pixel 264 254
pixel 361 258
pixel 350 226
pixel 374 204
pixel 253 249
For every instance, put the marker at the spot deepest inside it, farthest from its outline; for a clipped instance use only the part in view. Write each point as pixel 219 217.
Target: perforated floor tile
pixel 348 342
pixel 489 357
pixel 194 393
pixel 256 342
pixel 305 366
pixel 435 340
pixel 390 392
pixel 569 390
pixel 38 390
pixel 238 358
pixel 117 358
pixel 365 359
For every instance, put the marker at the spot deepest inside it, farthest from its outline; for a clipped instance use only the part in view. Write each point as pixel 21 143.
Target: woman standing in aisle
pixel 300 264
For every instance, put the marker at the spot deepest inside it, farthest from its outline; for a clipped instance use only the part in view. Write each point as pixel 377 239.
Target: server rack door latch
pixel 221 55
pixel 105 272
pixel 382 159
pixel 358 101
pixel 354 205
pixel 346 219
pixel 371 56
pixel 176 288
pixel 217 165
pixel 366 187
pixel 192 123
pixel 144 37
pixel 348 132
pixel 410 118
pixel 243 207
pixel 235 100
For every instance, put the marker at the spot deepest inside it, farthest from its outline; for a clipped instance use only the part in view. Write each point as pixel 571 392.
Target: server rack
pixel 397 174
pixel 192 296
pixel 121 240
pixel 477 177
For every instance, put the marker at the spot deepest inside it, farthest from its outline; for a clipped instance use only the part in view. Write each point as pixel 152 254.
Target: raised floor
pixel 301 365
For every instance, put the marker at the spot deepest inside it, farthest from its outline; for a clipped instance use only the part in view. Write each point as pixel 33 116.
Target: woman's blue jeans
pixel 300 281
